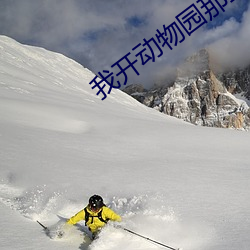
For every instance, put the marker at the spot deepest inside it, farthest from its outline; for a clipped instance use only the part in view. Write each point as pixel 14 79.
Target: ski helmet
pixel 95 202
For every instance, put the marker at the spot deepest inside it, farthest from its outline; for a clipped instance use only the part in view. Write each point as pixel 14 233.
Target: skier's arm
pixel 110 214
pixel 77 217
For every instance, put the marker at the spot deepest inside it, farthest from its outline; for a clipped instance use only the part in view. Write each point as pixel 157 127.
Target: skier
pixel 95 214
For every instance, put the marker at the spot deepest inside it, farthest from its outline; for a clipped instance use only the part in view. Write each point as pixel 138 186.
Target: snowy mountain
pixel 182 185
pixel 201 96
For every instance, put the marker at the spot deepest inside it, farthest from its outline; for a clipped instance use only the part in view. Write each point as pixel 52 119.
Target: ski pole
pixel 146 238
pixel 45 228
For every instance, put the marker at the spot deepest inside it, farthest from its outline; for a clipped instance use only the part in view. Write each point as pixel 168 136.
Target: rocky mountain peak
pixel 197 64
pixel 200 96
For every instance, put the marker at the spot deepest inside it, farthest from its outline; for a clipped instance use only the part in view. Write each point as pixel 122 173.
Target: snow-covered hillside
pixel 176 183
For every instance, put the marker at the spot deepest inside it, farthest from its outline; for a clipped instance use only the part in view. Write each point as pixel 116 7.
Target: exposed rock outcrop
pixel 200 97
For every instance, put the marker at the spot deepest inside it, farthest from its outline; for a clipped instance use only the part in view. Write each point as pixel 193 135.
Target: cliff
pixel 202 97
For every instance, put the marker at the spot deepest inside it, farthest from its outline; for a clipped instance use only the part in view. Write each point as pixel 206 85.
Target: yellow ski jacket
pixel 94 223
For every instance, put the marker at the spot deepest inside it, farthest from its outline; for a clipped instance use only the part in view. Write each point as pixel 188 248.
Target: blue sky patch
pixel 136 21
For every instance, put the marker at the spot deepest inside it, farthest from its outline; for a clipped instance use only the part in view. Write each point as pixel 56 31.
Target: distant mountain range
pixel 201 94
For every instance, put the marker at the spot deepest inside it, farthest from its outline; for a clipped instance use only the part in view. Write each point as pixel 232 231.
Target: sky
pixel 98 33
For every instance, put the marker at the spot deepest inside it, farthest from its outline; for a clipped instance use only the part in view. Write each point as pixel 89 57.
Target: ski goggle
pixel 94 208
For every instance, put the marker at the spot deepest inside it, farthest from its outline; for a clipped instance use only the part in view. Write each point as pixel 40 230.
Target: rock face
pixel 200 97
pixel 237 81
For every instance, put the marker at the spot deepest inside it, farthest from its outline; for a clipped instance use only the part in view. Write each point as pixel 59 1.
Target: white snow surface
pixel 182 185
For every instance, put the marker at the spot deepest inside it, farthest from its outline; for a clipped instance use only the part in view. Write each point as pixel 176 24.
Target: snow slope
pixel 176 183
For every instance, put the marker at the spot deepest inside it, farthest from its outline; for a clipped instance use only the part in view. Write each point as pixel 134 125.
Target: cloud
pixel 229 27
pixel 232 47
pixel 98 33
